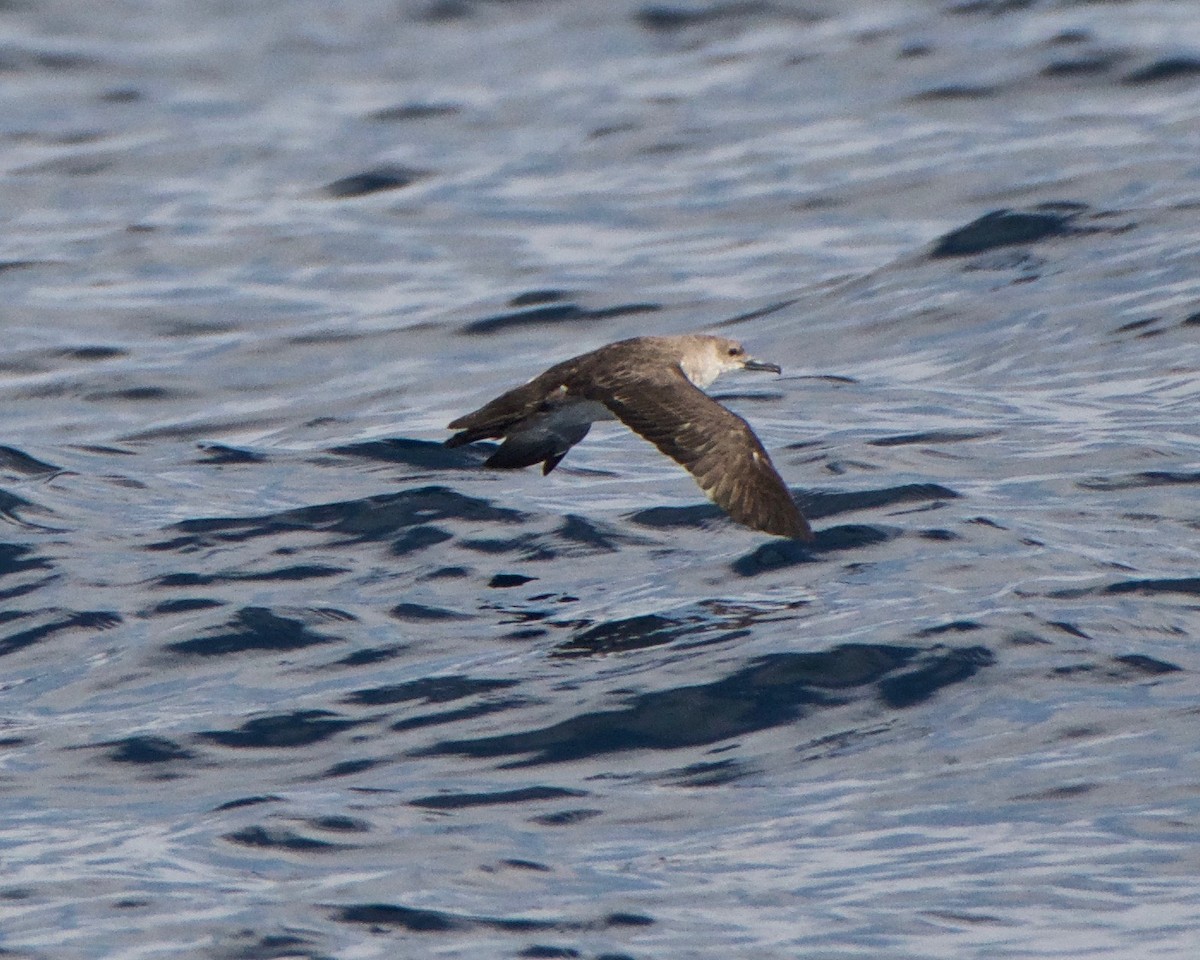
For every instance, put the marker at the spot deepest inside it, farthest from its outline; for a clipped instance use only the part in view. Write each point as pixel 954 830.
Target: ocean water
pixel 282 677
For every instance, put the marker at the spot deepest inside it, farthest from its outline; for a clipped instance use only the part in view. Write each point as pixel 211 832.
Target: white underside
pixel 564 425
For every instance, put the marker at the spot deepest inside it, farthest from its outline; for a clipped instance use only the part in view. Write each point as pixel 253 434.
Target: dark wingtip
pixel 804 534
pixel 793 528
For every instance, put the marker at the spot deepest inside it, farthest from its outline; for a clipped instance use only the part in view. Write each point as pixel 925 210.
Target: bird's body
pixel 652 385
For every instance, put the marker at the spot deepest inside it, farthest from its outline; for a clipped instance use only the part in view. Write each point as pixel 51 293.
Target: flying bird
pixel 653 386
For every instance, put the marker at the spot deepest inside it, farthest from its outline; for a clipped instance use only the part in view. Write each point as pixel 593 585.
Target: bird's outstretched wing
pixel 493 419
pixel 715 445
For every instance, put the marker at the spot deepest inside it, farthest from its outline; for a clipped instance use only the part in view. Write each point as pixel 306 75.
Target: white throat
pixel 701 371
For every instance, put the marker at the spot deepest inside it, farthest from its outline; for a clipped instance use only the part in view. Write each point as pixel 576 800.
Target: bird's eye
pixel 734 351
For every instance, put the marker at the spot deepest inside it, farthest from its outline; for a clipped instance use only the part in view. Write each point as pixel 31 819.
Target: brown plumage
pixel 652 385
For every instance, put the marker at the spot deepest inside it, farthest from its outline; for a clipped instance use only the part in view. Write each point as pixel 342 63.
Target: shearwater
pixel 652 385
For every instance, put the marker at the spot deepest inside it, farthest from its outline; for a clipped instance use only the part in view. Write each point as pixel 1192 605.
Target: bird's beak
pixel 761 365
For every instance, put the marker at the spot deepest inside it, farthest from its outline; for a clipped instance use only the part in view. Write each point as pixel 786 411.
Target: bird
pixel 652 384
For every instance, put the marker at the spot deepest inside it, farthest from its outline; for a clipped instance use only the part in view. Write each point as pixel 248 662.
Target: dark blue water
pixel 283 677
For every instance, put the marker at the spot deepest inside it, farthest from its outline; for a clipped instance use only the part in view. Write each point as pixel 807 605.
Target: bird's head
pixel 706 358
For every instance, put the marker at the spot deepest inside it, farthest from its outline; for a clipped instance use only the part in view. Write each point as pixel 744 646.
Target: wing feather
pixel 714 444
pixel 495 417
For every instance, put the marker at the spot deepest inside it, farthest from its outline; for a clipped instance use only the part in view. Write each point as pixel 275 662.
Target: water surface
pixel 283 677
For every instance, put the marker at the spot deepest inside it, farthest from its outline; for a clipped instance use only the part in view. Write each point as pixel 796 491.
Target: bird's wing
pixel 715 445
pixel 496 416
